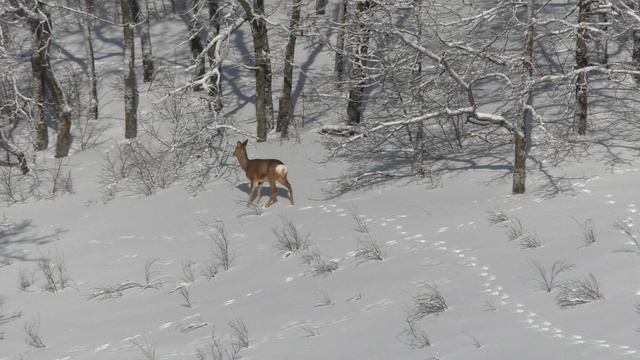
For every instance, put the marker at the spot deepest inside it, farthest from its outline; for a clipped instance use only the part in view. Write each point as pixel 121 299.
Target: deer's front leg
pixel 254 186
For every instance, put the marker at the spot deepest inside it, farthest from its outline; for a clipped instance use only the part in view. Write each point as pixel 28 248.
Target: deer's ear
pixel 245 142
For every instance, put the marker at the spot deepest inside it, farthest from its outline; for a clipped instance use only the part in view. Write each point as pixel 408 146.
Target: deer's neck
pixel 243 159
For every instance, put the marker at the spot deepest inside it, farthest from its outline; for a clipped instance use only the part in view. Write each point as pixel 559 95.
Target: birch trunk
pixel 524 119
pixel 142 19
pixel 582 104
pixel 38 61
pixel 215 91
pixel 130 85
pixel 338 68
pixel 284 106
pixel 636 42
pixel 87 28
pixel 321 6
pixel 264 100
pixel 355 105
pixel 195 41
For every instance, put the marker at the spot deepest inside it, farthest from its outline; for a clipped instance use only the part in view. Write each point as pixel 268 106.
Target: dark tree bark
pixel 582 100
pixel 355 105
pixel 635 33
pixel 284 106
pixel 264 101
pixel 215 90
pixel 130 85
pixel 524 119
pixel 140 9
pixel 338 68
pixel 38 64
pixel 39 20
pixel 321 6
pixel 91 63
pixel 195 42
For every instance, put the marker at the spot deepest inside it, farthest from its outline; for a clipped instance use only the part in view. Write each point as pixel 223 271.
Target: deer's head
pixel 241 149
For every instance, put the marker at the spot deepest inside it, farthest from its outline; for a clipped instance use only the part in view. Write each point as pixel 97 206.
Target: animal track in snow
pixel 532 321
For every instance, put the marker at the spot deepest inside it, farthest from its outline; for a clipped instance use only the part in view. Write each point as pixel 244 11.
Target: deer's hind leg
pixel 255 186
pixel 274 192
pixel 284 181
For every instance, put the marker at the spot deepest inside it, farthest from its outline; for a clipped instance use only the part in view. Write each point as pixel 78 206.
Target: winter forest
pixel 465 177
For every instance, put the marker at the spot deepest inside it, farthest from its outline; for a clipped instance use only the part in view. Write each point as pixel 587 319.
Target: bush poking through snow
pixel 515 232
pixel 588 231
pixel 289 239
pixel 323 299
pixel 26 278
pixel 147 350
pixel 546 280
pixel 625 227
pixel 32 330
pixel 319 265
pixel 426 303
pixel 414 335
pixel 151 282
pixel 577 292
pixel 496 217
pixel 209 271
pixel 187 271
pixel 218 350
pixel 54 271
pixel 240 334
pixel 369 249
pixel 221 245
pixel 186 296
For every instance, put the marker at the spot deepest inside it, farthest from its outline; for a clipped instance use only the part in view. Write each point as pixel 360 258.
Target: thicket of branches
pixel 420 86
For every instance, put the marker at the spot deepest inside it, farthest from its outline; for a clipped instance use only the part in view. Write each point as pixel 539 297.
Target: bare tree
pixel 140 10
pixel 215 90
pixel 130 85
pixel 635 33
pixel 338 68
pixel 284 108
pixel 255 15
pixel 87 28
pixel 195 42
pixel 39 19
pixel 582 38
pixel 321 6
pixel 355 104
pixel 523 123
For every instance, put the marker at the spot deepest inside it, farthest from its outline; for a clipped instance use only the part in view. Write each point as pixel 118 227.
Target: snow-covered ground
pixel 430 237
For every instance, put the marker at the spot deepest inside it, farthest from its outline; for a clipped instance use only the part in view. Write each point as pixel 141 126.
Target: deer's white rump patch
pixel 281 170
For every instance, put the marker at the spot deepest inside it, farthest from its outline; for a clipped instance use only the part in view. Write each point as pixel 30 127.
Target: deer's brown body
pixel 259 170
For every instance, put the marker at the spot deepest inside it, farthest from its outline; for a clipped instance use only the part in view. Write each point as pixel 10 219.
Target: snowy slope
pixel 430 236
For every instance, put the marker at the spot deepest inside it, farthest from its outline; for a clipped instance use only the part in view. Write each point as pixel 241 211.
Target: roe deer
pixel 258 170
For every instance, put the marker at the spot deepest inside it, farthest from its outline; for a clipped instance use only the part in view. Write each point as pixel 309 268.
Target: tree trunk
pixel 582 104
pixel 38 61
pixel 604 42
pixel 284 106
pixel 338 68
pixel 523 123
pixel 355 105
pixel 215 90
pixel 8 147
pixel 321 6
pixel 140 9
pixel 195 42
pixel 636 42
pixel 91 64
pixel 130 85
pixel 264 99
